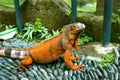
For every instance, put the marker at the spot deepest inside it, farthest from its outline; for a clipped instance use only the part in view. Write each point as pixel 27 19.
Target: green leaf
pixel 31 33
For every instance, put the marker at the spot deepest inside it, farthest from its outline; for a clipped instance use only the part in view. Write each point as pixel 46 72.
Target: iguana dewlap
pixel 51 49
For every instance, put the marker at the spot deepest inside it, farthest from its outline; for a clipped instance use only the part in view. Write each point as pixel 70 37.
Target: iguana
pixel 51 49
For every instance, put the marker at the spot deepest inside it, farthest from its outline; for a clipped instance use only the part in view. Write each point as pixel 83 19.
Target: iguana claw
pixel 77 67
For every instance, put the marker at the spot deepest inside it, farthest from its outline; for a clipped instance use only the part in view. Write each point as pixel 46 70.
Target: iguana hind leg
pixel 25 62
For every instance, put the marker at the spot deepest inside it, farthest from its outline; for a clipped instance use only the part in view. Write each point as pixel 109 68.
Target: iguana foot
pixel 73 58
pixel 25 63
pixel 20 70
pixel 78 67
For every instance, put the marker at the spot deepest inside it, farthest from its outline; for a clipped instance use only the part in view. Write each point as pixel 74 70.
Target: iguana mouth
pixel 79 31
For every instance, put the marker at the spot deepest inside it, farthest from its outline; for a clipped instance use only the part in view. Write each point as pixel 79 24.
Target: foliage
pixel 115 37
pixel 32 31
pixel 116 18
pixel 68 13
pixel 107 59
pixel 6 27
pixel 1 26
pixel 84 39
pixel 9 26
pixel 68 2
pixel 9 2
pixel 89 7
pixel 80 16
pixel 85 6
pixel 55 32
pixel 35 31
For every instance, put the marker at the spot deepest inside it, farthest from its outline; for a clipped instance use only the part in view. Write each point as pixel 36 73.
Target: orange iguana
pixel 51 49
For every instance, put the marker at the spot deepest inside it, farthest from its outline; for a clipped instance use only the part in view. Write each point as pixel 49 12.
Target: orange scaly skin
pixel 51 49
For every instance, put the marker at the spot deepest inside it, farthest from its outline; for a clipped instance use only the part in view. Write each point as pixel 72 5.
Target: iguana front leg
pixel 76 45
pixel 68 61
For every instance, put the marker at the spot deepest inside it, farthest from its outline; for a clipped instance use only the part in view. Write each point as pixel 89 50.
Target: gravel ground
pixel 56 70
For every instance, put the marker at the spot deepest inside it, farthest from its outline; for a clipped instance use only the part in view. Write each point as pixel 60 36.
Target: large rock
pixel 7 15
pixel 93 24
pixel 51 12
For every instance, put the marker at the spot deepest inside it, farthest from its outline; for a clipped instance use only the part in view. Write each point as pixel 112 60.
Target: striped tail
pixel 13 53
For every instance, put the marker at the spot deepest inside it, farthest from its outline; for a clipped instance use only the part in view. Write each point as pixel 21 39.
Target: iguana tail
pixel 13 53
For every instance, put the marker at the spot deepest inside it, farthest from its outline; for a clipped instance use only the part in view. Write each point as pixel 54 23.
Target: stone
pixel 103 49
pixel 50 12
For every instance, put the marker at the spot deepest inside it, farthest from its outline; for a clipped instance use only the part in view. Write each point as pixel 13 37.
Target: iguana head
pixel 72 31
pixel 74 28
